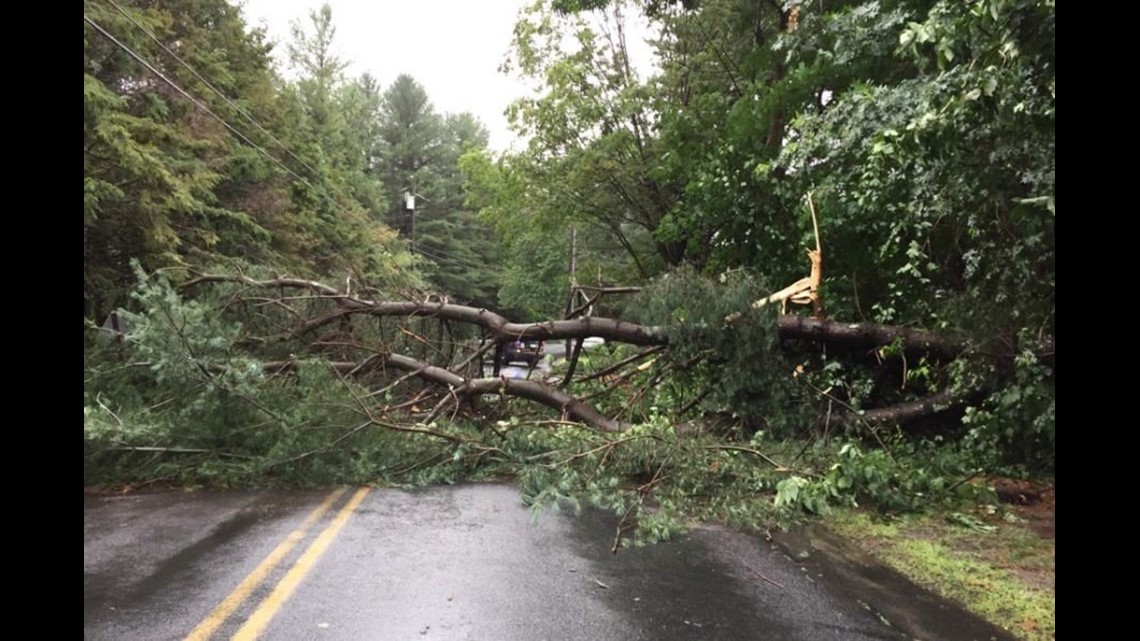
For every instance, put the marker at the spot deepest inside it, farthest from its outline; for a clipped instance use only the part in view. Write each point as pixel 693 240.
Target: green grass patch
pixel 1006 576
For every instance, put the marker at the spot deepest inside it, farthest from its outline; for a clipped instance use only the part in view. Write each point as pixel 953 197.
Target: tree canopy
pixel 255 225
pixel 925 132
pixel 198 150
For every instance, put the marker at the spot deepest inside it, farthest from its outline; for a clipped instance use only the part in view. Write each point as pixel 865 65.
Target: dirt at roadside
pixel 1034 502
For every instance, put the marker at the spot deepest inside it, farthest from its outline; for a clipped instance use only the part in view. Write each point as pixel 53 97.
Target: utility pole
pixel 410 205
pixel 573 256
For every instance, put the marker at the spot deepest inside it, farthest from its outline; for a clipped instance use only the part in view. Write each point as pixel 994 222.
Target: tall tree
pixel 154 164
pixel 322 71
pixel 196 151
pixel 410 135
pixel 335 124
pixel 592 132
pixel 925 130
pixel 419 152
pixel 948 174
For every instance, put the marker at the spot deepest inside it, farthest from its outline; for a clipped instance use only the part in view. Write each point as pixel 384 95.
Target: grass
pixel 1006 576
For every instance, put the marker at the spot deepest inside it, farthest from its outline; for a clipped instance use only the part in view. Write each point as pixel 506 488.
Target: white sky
pixel 451 47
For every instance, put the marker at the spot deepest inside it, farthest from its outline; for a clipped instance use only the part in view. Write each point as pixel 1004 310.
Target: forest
pixel 818 240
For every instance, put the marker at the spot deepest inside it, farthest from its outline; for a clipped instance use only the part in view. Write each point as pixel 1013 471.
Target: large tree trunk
pixel 867 335
pixel 790 326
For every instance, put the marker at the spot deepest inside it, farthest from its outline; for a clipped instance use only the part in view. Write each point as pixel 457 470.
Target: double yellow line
pixel 269 606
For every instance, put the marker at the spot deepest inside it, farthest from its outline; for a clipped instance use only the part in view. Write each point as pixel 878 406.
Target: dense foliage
pixel 924 132
pixel 197 150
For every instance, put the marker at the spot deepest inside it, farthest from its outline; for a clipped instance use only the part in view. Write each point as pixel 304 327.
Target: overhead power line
pixel 191 98
pixel 211 87
pixel 439 254
pixel 201 105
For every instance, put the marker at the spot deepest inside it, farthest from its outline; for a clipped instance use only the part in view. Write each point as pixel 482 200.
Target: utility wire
pixel 211 87
pixel 205 108
pixel 439 254
pixel 194 100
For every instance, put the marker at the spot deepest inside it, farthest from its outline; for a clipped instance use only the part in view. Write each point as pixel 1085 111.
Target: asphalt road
pixel 466 562
pixel 551 351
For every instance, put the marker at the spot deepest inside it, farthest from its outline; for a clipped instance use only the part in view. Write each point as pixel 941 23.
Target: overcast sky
pixel 452 47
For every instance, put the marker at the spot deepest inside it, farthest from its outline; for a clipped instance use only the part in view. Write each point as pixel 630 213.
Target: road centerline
pixel 269 606
pixel 234 600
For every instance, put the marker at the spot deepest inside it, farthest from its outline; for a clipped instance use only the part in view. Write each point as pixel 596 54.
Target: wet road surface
pixel 552 351
pixel 465 562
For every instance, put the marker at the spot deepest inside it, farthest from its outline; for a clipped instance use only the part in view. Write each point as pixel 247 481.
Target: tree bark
pixel 501 329
pixel 900 413
pixel 867 335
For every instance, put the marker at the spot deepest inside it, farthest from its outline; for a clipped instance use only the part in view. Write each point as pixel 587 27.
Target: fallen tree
pixel 498 329
pixel 293 381
pixel 849 335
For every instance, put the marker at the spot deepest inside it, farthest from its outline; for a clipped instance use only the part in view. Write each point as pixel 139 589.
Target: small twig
pixel 609 290
pixel 477 354
pixel 650 384
pixel 395 427
pixel 135 486
pixel 415 399
pixel 855 290
pixel 621 526
pixel 410 375
pixel 171 399
pixel 178 329
pixel 416 337
pixel 584 306
pixel 617 382
pixel 757 453
pixel 604 446
pixel 642 492
pixel 902 386
pixel 967 479
pixel 761 575
pixel 275 302
pixel 438 409
pixel 95 373
pixel 321 449
pixel 874 431
pixel 109 411
pixel 693 403
pixel 417 465
pixel 363 365
pixel 257 404
pixel 573 363
pixel 560 423
pixel 457 404
pixel 622 363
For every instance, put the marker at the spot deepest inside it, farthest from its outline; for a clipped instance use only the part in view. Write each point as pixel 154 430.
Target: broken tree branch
pixel 500 328
pixel 866 335
pixel 463 388
pixel 901 412
pixel 851 335
pixel 622 363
